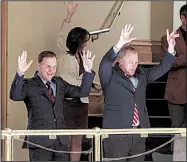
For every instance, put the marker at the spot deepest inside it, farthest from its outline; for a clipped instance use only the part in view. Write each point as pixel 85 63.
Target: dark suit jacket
pixel 176 84
pixel 42 113
pixel 119 98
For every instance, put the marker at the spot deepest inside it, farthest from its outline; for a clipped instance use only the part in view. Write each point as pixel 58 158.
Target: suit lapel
pixel 140 80
pixel 57 90
pixel 43 87
pixel 128 84
pixel 181 42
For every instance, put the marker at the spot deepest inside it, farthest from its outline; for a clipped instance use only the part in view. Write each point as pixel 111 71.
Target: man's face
pixel 47 68
pixel 129 63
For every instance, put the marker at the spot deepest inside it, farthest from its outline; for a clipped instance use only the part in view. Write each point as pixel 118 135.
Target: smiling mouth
pixel 49 74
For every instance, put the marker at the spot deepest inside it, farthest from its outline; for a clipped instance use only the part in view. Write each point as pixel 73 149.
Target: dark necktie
pixel 50 91
pixel 136 116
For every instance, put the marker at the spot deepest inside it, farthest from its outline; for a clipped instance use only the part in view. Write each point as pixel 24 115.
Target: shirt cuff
pixel 116 50
pixel 174 54
pixel 20 73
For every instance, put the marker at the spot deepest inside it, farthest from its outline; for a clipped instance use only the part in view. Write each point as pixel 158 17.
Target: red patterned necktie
pixel 135 116
pixel 50 91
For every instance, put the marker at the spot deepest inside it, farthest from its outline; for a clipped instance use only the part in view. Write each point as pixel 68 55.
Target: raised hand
pixel 171 40
pixel 22 64
pixel 87 60
pixel 71 8
pixel 125 36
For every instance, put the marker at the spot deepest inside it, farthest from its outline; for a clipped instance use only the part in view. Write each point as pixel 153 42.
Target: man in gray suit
pixel 124 85
pixel 43 96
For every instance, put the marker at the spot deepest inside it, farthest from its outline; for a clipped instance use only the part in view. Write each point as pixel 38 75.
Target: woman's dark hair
pixel 183 10
pixel 76 38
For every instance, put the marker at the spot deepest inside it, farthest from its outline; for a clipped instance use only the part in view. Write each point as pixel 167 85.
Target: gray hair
pixel 123 51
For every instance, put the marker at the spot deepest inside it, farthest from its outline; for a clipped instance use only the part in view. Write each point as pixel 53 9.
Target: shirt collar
pixel 43 80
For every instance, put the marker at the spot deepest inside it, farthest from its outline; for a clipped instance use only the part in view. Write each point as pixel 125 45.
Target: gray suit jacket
pixel 119 98
pixel 42 112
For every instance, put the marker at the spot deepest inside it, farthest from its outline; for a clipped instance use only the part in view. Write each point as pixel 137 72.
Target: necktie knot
pixel 128 76
pixel 50 91
pixel 48 84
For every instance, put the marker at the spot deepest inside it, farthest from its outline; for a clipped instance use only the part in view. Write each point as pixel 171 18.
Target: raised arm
pixel 167 61
pixel 180 61
pixel 105 68
pixel 19 86
pixel 65 27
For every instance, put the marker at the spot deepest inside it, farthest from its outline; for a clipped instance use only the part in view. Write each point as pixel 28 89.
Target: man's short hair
pixel 45 54
pixel 183 10
pixel 123 51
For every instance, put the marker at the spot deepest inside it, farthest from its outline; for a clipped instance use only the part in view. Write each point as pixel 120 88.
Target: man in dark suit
pixel 124 84
pixel 175 92
pixel 43 96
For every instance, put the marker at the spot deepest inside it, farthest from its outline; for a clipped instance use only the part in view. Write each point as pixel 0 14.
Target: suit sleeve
pixel 19 88
pixel 72 91
pixel 156 72
pixel 106 66
pixel 180 61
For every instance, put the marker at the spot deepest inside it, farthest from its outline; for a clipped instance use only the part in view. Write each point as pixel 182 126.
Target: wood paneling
pixel 149 51
pixel 4 36
pixel 4 66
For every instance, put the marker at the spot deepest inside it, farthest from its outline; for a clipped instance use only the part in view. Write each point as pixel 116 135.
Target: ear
pixel 183 18
pixel 38 65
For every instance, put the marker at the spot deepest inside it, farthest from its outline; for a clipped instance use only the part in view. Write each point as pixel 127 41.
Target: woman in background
pixel 70 67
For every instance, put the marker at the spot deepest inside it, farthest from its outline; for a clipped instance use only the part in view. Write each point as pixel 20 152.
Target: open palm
pixel 125 34
pixel 87 60
pixel 71 7
pixel 22 64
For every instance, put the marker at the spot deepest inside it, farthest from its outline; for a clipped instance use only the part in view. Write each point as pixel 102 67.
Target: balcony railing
pixel 97 133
